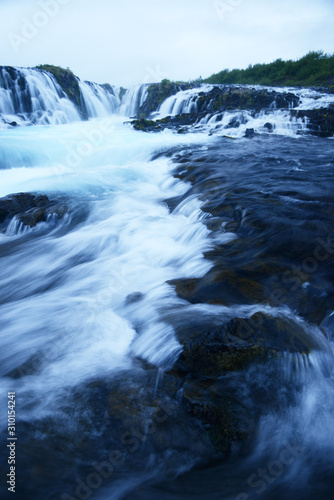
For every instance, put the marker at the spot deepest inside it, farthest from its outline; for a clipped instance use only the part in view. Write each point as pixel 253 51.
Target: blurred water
pixel 84 296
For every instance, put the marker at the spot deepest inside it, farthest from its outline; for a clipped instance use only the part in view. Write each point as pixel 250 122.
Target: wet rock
pixel 16 203
pixel 229 98
pixel 320 122
pixel 157 93
pixel 268 126
pixel 132 298
pixel 224 420
pixel 272 333
pixel 250 132
pixel 29 209
pixel 234 123
pixel 178 413
pixel 211 357
pixel 225 287
pixel 145 125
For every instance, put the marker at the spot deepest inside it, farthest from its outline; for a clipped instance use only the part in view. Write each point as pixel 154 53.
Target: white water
pixel 282 122
pixel 65 285
pixel 182 102
pixel 309 98
pixel 47 103
pixel 79 326
pixel 97 100
pixel 34 97
pixel 133 99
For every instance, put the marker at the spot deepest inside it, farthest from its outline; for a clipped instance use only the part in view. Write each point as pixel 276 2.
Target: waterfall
pixel 34 96
pixel 184 101
pixel 98 100
pixel 133 99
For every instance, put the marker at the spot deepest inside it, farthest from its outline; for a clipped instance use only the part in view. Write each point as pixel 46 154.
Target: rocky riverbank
pixel 221 100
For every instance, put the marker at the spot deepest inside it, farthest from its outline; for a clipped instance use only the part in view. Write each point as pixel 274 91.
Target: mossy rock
pixel 157 93
pixel 214 359
pixel 145 125
pixel 223 419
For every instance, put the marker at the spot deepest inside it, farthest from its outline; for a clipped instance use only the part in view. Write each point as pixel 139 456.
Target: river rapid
pixel 91 300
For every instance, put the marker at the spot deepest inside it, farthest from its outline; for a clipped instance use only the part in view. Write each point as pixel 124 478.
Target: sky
pixel 127 42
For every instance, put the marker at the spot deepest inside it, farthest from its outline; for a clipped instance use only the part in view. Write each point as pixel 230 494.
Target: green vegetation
pixel 314 69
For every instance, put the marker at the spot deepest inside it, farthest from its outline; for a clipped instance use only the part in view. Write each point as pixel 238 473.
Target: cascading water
pixel 234 123
pixel 33 96
pixel 88 300
pixel 182 102
pixel 133 99
pixel 98 101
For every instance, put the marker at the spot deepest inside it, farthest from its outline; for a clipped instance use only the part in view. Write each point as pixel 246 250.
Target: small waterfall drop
pixel 133 99
pixel 31 95
pixel 98 100
pixel 184 101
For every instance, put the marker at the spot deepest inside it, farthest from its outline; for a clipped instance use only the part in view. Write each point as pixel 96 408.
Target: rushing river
pixel 83 297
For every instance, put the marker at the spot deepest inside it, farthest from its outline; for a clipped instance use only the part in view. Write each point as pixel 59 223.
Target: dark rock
pixel 223 419
pixel 145 125
pixel 234 123
pixel 16 203
pixel 269 126
pixel 250 132
pixel 210 359
pixel 194 414
pixel 134 297
pixel 222 98
pixel 157 93
pixel 273 333
pixel 29 209
pixel 320 122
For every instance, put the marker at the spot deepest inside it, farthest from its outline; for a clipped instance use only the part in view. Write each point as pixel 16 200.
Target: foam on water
pixel 130 243
pixel 223 123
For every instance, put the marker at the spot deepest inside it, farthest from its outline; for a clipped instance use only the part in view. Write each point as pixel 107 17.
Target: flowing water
pixel 83 297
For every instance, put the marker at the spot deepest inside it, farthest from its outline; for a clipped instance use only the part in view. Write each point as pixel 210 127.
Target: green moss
pixel 145 125
pixel 212 360
pixel 218 418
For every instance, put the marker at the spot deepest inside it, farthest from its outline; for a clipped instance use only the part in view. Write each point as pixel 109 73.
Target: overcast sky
pixel 125 42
